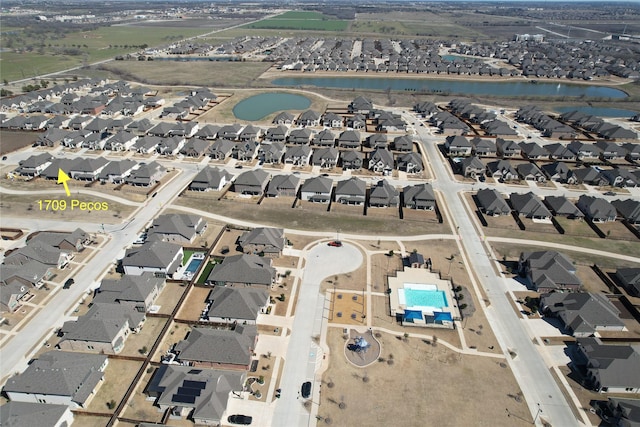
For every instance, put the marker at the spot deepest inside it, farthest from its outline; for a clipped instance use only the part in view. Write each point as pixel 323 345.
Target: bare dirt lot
pixel 12 141
pixel 423 386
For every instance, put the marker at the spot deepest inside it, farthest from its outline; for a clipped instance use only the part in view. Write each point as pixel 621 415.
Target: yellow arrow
pixel 62 179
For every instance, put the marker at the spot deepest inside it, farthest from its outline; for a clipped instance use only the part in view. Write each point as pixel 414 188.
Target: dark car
pixel 609 193
pixel 335 243
pixel 68 283
pixel 240 419
pixel 306 389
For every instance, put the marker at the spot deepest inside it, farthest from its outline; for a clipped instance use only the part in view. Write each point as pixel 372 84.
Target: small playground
pixel 362 348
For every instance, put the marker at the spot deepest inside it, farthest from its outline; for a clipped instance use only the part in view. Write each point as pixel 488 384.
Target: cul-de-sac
pixel 297 214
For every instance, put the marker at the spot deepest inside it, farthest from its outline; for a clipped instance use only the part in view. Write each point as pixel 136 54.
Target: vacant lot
pixel 296 20
pixel 12 141
pixel 432 384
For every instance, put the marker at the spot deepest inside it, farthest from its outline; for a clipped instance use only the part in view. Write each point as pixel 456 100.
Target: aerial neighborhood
pixel 414 206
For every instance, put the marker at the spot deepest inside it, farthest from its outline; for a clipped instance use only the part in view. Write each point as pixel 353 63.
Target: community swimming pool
pixel 414 295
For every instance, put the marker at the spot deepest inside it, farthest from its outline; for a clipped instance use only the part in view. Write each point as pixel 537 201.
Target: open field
pixel 296 20
pixel 436 374
pixel 12 141
pixel 198 73
pixel 87 47
pixel 311 220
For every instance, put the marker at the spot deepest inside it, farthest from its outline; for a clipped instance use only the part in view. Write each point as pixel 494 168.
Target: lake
pixel 260 106
pixel 598 111
pixel 456 87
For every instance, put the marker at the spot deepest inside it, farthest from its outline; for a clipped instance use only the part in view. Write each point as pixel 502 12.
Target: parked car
pixel 306 389
pixel 68 283
pixel 244 420
pixel 335 243
pixel 609 193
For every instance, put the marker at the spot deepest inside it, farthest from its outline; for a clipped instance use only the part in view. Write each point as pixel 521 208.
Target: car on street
pixel 305 391
pixel 244 420
pixel 609 193
pixel 238 166
pixel 335 243
pixel 68 283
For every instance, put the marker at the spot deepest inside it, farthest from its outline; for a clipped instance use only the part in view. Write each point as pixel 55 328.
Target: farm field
pixel 301 21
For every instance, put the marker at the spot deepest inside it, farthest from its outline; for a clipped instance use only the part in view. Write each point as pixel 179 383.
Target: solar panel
pixel 189 391
pixel 194 384
pixel 181 398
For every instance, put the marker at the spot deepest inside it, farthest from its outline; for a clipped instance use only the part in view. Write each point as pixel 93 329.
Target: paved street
pixel 303 354
pixel 532 374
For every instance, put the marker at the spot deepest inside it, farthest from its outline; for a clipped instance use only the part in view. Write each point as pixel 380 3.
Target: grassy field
pixel 205 73
pixel 89 46
pixel 296 20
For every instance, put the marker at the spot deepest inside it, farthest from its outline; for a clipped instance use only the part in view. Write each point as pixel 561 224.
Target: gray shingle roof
pixel 27 414
pixel 236 303
pixel 219 345
pixel 250 269
pixel 153 254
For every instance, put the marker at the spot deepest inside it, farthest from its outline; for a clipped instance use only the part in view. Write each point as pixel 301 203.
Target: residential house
pixel 276 134
pixel 483 147
pixel 308 118
pixel 264 241
pixel 16 280
pixel 317 189
pixel 117 171
pixel 410 163
pixel 231 305
pixel 283 186
pixel 88 169
pixel 243 270
pixel 207 132
pixel 231 132
pixel 402 143
pixel 137 292
pixel 195 148
pixel 588 175
pixel 180 228
pixel 584 151
pixel 103 329
pixel 250 133
pixel 300 137
pixel 154 256
pixel 620 412
pixel 74 241
pixel 146 175
pixel 332 120
pixel 283 118
pixel 633 151
pixel 618 177
pixel 271 153
pixel 557 171
pixel 218 348
pixel 597 209
pixel 352 191
pixel 530 206
pixel 146 144
pixel 121 141
pixel 34 165
pixel 384 195
pixel 27 414
pixel 471 167
pixel 629 278
pixel 491 202
pixel 210 178
pixel 381 161
pixel 360 104
pixel 549 271
pixel 171 146
pixel 357 122
pixel 582 314
pixel 59 378
pixel 326 158
pixel 507 148
pixel 533 151
pixel 608 368
pixel 245 151
pixel 502 170
pixel 221 149
pixel 629 209
pixel 559 151
pixel 561 206
pixel 252 182
pixel 324 138
pixel 200 395
pixel 42 252
pixel 298 155
pixel 419 196
pixel 458 146
pixel 530 172
pixel 611 151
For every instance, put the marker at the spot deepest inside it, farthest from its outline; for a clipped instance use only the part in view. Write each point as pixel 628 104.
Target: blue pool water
pixel 193 265
pixel 425 298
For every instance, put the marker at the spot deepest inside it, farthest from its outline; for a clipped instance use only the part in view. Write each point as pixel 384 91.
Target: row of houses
pixel 503 170
pixel 28 268
pixel 529 205
pixel 92 169
pixel 321 189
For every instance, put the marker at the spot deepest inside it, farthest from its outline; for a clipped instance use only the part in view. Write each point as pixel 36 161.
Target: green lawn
pixel 186 254
pixel 297 20
pixel 205 272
